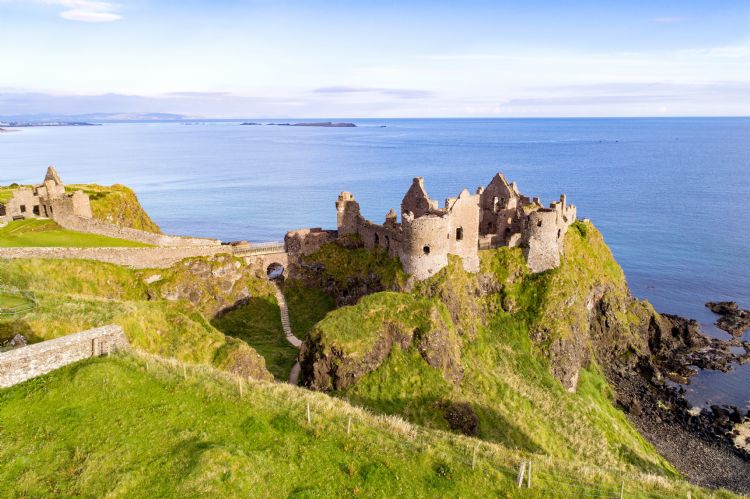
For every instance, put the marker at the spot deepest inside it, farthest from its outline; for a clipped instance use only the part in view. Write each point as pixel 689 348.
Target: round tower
pixel 425 248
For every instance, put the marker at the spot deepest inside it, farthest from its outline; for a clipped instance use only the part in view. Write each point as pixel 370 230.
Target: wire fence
pixel 29 304
pixel 528 474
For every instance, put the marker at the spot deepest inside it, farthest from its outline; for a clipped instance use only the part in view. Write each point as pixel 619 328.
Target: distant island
pixel 327 124
pixel 24 124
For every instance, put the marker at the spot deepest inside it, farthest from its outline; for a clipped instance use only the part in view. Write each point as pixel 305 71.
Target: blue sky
pixel 360 58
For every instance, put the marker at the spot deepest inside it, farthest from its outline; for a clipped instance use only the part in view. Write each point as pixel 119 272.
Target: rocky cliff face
pixel 343 348
pixel 212 284
pixel 117 204
pixel 572 322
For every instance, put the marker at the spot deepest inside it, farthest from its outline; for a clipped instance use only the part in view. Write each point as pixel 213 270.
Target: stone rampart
pixel 93 226
pixel 138 258
pixel 34 360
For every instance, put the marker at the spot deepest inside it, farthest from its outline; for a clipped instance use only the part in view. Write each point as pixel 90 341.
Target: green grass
pixel 354 330
pixel 12 301
pixel 258 323
pixel 117 204
pixel 6 193
pixel 307 306
pixel 508 379
pixel 341 266
pixel 75 295
pixel 46 233
pixel 136 426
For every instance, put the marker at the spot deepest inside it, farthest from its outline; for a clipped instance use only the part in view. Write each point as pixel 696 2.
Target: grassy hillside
pixel 520 334
pixel 117 204
pixel 74 295
pixel 46 233
pixel 140 426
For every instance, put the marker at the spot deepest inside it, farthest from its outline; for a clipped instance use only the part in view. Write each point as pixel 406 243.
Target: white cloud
pixel 88 11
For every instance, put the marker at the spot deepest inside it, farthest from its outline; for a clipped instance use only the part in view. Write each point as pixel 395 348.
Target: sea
pixel 670 195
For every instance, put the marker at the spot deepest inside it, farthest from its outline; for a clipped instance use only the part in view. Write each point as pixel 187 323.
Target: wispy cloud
pixel 403 93
pixel 668 19
pixel 88 11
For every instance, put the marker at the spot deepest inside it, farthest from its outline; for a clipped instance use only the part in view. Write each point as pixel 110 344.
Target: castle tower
pixel 425 246
pixel 347 214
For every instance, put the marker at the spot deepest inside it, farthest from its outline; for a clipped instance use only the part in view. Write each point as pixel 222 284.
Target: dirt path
pixel 296 342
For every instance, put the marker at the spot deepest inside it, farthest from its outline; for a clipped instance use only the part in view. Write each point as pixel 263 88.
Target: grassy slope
pixel 74 295
pixel 117 204
pixel 507 380
pixel 46 233
pixel 306 307
pixel 259 324
pixel 134 426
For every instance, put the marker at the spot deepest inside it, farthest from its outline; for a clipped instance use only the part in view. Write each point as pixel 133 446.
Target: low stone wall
pixel 93 226
pixel 137 258
pixel 34 360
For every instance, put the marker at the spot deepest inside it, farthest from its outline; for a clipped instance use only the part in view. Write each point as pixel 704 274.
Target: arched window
pixel 539 223
pixel 377 240
pixel 559 231
pixel 426 250
pixel 495 204
pixel 459 233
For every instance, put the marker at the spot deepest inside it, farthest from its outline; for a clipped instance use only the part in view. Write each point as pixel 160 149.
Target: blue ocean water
pixel 670 195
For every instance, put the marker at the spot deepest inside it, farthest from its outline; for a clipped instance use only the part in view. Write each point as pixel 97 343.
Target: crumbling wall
pixel 463 229
pixel 34 360
pixel 137 258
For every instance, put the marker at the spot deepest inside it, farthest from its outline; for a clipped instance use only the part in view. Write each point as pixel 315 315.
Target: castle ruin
pixel 47 200
pixel 498 215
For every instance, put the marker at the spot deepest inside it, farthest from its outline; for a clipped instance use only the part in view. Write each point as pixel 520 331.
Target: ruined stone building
pixel 498 215
pixel 48 200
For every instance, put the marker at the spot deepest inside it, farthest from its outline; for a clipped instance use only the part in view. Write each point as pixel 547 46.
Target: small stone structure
pixel 498 215
pixel 48 200
pixel 34 360
pixel 72 211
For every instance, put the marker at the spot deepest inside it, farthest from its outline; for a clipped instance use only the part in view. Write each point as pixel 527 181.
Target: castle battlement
pixel 495 215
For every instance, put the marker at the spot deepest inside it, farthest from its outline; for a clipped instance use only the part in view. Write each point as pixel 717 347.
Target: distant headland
pixel 326 124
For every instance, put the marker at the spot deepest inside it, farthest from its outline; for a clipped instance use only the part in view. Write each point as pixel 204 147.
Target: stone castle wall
pixel 34 360
pixel 137 258
pixel 495 216
pixel 93 226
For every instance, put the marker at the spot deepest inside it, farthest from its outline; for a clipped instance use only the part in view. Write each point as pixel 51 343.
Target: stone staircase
pixel 296 342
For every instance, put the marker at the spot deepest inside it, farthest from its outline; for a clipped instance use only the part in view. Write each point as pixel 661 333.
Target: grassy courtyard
pixel 46 233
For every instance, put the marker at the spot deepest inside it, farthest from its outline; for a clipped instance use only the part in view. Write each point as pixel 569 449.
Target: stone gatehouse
pixel 494 216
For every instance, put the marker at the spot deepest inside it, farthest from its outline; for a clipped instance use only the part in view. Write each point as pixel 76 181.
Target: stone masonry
pixel 34 360
pixel 72 211
pixel 498 215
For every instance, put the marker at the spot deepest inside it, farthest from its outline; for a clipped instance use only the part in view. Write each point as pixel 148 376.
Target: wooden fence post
pixel 622 489
pixel 474 456
pixel 308 413
pixel 521 469
pixel 528 476
pixel 349 427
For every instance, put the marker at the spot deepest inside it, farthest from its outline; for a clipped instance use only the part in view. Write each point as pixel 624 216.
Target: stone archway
pixel 275 271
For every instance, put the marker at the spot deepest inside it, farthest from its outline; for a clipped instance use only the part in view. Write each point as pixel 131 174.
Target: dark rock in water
pixel 733 320
pixel 249 123
pixel 328 124
pixel 461 417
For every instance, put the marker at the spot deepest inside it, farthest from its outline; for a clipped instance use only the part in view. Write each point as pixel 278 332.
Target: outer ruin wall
pixel 34 360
